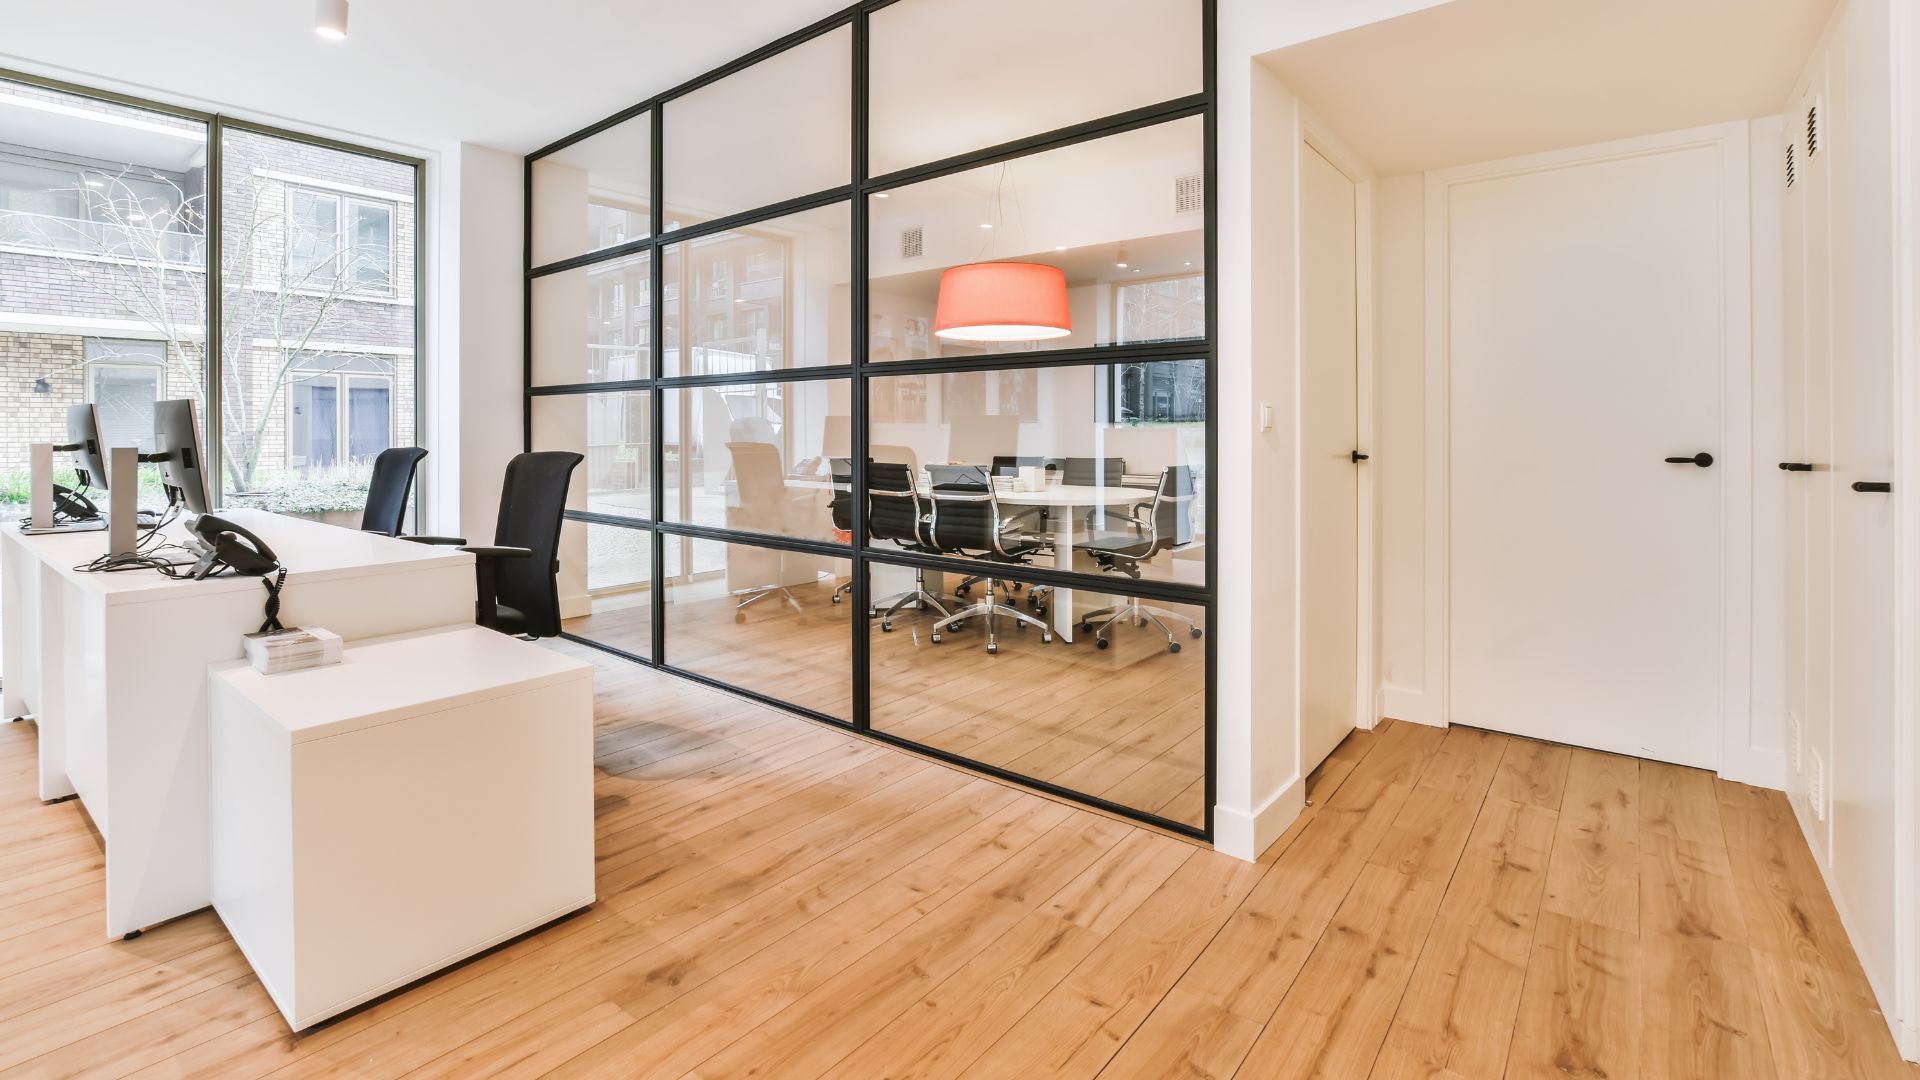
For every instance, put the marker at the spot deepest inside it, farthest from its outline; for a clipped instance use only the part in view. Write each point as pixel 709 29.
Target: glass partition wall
pixel 819 471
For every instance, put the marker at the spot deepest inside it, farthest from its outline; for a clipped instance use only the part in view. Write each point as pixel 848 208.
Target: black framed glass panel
pixel 778 623
pixel 606 585
pixel 1068 61
pixel 762 297
pixel 594 323
pixel 757 457
pixel 593 194
pixel 1099 468
pixel 774 131
pixel 612 430
pixel 1117 712
pixel 1112 214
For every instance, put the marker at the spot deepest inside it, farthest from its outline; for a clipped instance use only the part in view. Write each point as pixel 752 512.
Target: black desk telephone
pixel 222 545
pixel 71 504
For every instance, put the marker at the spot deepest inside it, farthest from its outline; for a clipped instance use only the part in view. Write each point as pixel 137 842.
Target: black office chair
pixel 967 521
pixel 387 492
pixel 1091 472
pixel 518 590
pixel 1009 465
pixel 895 512
pixel 840 506
pixel 1147 528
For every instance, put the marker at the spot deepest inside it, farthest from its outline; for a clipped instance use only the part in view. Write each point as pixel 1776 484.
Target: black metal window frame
pixel 217 124
pixel 861 371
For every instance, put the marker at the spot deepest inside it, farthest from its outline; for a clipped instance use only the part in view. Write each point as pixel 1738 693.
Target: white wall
pixel 1261 786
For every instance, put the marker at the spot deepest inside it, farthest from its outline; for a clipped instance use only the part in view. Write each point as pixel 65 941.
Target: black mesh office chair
pixel 1091 472
pixel 1147 528
pixel 967 521
pixel 840 506
pixel 517 577
pixel 895 512
pixel 387 492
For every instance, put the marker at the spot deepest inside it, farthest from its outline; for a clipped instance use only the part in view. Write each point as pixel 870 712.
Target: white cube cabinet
pixel 377 820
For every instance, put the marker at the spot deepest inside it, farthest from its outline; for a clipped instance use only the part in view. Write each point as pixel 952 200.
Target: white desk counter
pixel 113 669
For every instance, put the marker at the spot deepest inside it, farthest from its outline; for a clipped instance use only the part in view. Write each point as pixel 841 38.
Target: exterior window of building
pixel 339 411
pixel 323 256
pixel 124 379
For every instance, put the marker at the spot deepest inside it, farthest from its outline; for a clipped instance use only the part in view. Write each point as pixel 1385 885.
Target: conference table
pixel 112 667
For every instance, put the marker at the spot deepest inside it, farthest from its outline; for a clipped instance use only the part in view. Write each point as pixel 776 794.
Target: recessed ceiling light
pixel 1059 247
pixel 882 195
pixel 986 224
pixel 1122 266
pixel 1186 264
pixel 330 19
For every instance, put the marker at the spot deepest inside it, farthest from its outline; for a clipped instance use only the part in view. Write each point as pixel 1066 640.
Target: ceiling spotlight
pixel 1059 247
pixel 882 195
pixel 1120 257
pixel 986 224
pixel 330 19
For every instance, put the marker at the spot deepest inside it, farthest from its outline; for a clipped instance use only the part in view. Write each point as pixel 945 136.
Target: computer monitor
pixel 176 439
pixel 83 436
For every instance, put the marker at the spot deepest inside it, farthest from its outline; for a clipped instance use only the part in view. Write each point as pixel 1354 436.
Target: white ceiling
pixel 423 74
pixel 1479 80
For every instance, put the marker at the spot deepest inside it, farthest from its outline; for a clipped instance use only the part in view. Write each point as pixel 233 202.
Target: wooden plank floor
pixel 778 899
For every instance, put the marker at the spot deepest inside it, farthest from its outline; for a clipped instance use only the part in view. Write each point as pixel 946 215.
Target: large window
pixel 106 283
pixel 802 485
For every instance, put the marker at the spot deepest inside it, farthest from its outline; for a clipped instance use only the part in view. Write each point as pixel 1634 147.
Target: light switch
pixel 1266 416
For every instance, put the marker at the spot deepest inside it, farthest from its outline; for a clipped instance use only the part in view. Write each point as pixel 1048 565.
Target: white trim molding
pixel 1245 836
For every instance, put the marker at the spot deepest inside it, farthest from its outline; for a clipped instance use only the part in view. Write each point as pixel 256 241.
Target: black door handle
pixel 1359 457
pixel 1872 485
pixel 1702 459
pixel 1796 466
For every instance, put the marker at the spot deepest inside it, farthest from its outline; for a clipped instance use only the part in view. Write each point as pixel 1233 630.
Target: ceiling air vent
pixel 1813 128
pixel 1790 174
pixel 913 242
pixel 1189 194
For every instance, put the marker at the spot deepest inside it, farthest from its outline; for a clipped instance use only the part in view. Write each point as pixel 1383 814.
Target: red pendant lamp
pixel 1002 301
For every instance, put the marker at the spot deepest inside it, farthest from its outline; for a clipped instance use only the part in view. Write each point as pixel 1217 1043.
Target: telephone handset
pixel 224 545
pixel 72 505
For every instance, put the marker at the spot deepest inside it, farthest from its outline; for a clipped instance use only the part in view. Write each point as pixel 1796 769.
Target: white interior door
pixel 1586 316
pixel 1330 486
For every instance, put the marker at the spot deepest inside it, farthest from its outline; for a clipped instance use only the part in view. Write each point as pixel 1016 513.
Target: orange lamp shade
pixel 1002 301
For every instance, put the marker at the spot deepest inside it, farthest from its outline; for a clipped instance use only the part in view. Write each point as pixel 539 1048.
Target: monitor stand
pixel 40 518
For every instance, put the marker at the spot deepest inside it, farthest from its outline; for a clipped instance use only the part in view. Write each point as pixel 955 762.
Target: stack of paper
pixel 292 649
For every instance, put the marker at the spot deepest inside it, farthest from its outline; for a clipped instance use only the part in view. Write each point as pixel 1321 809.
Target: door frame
pixel 1316 136
pixel 1739 757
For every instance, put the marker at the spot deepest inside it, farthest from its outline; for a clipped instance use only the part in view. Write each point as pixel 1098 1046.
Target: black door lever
pixel 1359 457
pixel 1872 485
pixel 1702 459
pixel 1796 466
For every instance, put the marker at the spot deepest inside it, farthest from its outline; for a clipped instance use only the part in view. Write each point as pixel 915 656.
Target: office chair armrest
pixel 437 541
pixel 483 552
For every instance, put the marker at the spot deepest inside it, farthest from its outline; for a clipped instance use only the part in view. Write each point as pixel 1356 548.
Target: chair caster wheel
pixel 1173 646
pixel 953 628
pixel 1101 643
pixel 1017 586
pixel 991 649
pixel 935 639
pixel 1046 639
pixel 1040 611
pixel 1197 631
pixel 963 590
pixel 836 598
pixel 1086 628
pixel 886 627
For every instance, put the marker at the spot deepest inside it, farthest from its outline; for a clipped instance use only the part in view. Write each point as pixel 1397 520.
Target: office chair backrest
pixel 1172 512
pixel 903 455
pixel 387 492
pixel 966 517
pixel 1092 472
pixel 762 488
pixel 533 502
pixel 840 503
pixel 893 504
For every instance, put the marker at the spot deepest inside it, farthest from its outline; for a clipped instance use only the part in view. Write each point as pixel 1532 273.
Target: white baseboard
pixel 1409 703
pixel 1757 767
pixel 573 607
pixel 1245 835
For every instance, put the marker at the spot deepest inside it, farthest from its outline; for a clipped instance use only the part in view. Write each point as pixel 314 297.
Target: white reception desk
pixel 113 667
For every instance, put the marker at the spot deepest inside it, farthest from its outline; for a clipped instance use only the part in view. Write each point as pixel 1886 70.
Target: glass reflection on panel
pixel 1097 468
pixel 1070 61
pixel 593 323
pixel 606 582
pixel 774 131
pixel 1114 707
pixel 760 457
pixel 1109 213
pixel 593 194
pixel 769 621
pixel 762 297
pixel 610 430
